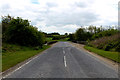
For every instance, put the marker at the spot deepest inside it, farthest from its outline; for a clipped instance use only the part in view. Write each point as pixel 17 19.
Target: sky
pixel 63 15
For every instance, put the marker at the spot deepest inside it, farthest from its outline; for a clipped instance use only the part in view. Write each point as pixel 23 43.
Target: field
pixel 50 39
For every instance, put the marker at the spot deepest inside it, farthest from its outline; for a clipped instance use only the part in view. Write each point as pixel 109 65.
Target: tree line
pixel 91 33
pixel 19 31
pixel 98 37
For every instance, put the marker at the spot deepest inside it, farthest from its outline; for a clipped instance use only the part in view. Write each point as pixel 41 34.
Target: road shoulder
pixel 105 60
pixel 12 69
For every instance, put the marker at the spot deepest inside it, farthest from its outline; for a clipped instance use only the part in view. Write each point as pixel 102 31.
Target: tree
pixel 21 32
pixel 71 37
pixel 55 33
pixel 79 34
pixel 95 29
pixel 66 34
pixel 5 22
pixel 0 31
pixel 90 28
pixel 82 35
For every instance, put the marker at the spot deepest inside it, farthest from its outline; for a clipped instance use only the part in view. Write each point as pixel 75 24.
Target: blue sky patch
pixel 35 1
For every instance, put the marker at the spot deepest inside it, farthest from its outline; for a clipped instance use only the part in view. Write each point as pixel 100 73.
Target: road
pixel 64 61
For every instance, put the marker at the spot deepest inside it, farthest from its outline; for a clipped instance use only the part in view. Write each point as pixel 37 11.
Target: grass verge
pixel 108 54
pixel 10 59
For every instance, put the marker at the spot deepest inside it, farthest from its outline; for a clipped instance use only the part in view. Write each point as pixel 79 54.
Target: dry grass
pixel 105 40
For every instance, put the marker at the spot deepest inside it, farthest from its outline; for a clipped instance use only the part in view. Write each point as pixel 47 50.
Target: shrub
pixel 21 32
pixel 71 37
pixel 100 46
pixel 56 38
pixel 118 46
pixel 107 43
pixel 108 47
pixel 82 35
pixel 108 32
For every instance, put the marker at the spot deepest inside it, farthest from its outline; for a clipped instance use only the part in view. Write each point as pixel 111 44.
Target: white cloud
pixel 62 15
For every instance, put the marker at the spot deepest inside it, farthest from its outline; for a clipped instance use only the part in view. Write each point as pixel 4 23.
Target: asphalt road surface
pixel 64 61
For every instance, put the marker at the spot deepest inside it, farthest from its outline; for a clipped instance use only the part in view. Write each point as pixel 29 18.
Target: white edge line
pixel 19 67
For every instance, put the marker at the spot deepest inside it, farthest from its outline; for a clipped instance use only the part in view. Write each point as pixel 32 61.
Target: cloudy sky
pixel 63 15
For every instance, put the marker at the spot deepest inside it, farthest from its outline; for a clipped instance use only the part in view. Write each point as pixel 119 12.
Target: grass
pixel 49 39
pixel 65 39
pixel 108 54
pixel 10 58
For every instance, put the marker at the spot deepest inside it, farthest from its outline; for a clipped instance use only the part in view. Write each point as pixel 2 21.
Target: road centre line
pixel 65 63
pixel 63 52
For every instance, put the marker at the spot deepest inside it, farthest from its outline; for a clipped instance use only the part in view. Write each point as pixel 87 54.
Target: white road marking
pixel 19 67
pixel 65 61
pixel 63 52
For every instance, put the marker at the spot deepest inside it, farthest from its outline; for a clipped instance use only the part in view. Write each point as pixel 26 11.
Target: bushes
pixel 56 38
pixel 108 47
pixel 118 47
pixel 98 37
pixel 51 42
pixel 91 33
pixel 100 46
pixel 20 32
pixel 71 37
pixel 108 32
pixel 82 35
pixel 110 43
